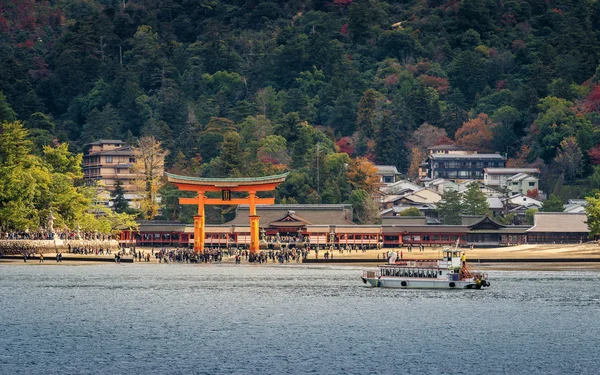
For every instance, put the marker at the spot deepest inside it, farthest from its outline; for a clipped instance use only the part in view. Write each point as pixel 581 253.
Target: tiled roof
pixel 471 156
pixel 332 214
pixel 387 169
pixel 510 171
pixel 495 203
pixel 445 147
pixel 395 228
pixel 125 150
pixel 106 141
pixel 225 181
pixel 559 222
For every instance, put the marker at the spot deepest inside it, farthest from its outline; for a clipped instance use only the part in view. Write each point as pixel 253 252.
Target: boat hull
pixel 414 283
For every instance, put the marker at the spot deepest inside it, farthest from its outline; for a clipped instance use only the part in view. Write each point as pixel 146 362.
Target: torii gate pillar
pixel 226 186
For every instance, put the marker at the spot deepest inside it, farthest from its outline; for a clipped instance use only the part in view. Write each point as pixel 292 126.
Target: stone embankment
pixel 16 247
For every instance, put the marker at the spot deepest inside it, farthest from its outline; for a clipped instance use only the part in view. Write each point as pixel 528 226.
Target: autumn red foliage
pixel 342 3
pixel 594 154
pixel 346 144
pixel 476 134
pixel 533 193
pixel 391 80
pixel 592 101
pixel 440 85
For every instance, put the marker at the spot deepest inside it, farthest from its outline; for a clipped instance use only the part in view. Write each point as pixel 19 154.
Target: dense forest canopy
pixel 234 88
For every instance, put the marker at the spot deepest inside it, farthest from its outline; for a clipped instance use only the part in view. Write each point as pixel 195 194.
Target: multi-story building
pixel 107 161
pixel 461 166
pixel 499 176
pixel 522 183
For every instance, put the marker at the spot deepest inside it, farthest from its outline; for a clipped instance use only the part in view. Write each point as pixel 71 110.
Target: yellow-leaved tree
pixel 149 168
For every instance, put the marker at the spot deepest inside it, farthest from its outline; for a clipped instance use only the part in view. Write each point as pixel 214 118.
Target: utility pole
pixel 318 179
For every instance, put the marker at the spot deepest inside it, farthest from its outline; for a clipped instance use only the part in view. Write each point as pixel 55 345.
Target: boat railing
pixel 424 263
pixel 371 274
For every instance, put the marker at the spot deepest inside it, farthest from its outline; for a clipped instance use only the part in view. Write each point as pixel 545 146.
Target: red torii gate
pixel 226 186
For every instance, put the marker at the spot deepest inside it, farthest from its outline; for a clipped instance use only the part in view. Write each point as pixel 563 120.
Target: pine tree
pixel 120 204
pixel 449 207
pixel 553 204
pixel 6 112
pixel 386 148
pixel 474 201
pixel 368 108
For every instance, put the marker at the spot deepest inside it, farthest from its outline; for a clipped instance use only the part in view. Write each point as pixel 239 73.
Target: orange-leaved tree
pixel 362 174
pixel 476 134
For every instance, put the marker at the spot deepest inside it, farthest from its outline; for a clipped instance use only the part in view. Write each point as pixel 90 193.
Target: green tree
pixel 386 149
pixel 553 204
pixel 474 201
pixel 411 211
pixel 450 207
pixel 21 178
pixel 6 112
pixel 529 215
pixel 592 210
pixel 368 112
pixel 365 209
pixel 120 204
pixel 231 155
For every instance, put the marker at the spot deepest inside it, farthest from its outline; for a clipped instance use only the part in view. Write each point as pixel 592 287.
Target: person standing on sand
pixel 41 258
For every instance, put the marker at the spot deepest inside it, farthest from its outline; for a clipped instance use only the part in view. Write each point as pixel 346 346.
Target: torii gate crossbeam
pixel 226 186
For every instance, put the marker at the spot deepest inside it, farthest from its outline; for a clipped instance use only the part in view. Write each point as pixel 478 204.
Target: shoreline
pixel 523 257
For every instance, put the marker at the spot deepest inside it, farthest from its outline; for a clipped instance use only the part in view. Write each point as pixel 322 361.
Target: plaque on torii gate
pixel 226 186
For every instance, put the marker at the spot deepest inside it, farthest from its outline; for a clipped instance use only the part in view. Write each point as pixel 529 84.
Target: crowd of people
pixel 88 250
pixel 50 235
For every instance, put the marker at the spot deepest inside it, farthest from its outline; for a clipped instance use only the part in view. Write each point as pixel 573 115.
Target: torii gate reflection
pixel 226 186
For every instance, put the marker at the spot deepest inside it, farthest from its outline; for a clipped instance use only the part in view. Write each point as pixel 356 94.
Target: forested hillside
pixel 235 88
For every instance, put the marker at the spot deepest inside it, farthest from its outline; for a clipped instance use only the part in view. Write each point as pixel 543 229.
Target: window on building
pixel 109 159
pixel 531 183
pixel 132 160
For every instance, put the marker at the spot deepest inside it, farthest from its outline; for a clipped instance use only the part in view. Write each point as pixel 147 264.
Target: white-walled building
pixel 498 177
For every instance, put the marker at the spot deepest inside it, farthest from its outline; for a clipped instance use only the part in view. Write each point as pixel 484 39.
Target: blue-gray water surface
pixel 226 319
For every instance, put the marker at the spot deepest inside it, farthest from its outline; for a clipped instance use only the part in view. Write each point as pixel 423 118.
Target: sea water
pixel 226 319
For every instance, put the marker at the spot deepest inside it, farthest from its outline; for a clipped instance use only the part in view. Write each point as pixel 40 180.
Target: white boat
pixel 450 272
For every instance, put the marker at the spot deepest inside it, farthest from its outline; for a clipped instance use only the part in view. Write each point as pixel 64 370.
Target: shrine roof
pixel 226 182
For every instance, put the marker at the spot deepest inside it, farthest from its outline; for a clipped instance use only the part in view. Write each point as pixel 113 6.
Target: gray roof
pixel 387 169
pixel 495 203
pixel 106 141
pixel 160 226
pixel 562 222
pixel 519 177
pixel 445 147
pixel 125 150
pixel 404 220
pixel 425 228
pixel 316 214
pixel 471 156
pixel 510 171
